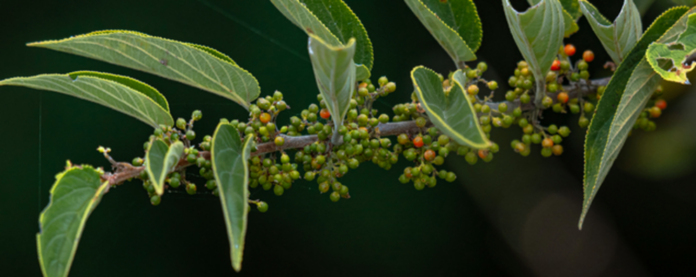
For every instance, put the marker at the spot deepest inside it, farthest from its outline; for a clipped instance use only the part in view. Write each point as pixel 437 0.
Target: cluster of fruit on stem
pixel 364 135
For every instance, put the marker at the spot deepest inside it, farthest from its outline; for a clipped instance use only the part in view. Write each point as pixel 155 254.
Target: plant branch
pixel 125 171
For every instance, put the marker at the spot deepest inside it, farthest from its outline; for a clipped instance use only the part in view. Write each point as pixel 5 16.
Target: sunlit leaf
pixel 74 195
pixel 676 53
pixel 120 93
pixel 452 113
pixel 626 94
pixel 195 65
pixel 160 160
pixel 451 23
pixel 335 75
pixel 538 33
pixel 333 22
pixel 571 13
pixel 229 156
pixel 620 37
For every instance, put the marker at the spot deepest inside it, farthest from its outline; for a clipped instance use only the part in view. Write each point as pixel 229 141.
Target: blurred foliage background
pixel 512 217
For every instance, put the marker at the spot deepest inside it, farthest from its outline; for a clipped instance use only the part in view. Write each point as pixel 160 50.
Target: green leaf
pixel 74 195
pixel 120 93
pixel 622 101
pixel 448 22
pixel 332 21
pixel 195 65
pixel 160 160
pixel 335 74
pixel 230 156
pixel 677 58
pixel 451 113
pixel 361 72
pixel 538 33
pixel 620 37
pixel 571 27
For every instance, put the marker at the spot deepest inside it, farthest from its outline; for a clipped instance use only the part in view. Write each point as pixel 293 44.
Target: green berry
pixel 525 98
pixel 155 200
pixel 181 123
pixel 564 131
pixel 262 206
pixel 191 188
pixel 190 135
pixel 211 185
pixel 335 196
pixel 471 158
pixel 197 115
pixel 278 190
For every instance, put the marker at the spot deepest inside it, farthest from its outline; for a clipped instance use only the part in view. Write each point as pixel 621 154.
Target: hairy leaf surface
pixel 160 160
pixel 451 113
pixel 620 37
pixel 335 75
pixel 120 93
pixel 74 195
pixel 658 52
pixel 229 156
pixel 454 24
pixel 335 23
pixel 195 65
pixel 571 8
pixel 538 33
pixel 622 101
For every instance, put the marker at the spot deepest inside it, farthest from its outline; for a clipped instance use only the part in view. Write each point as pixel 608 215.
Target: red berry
pixel 588 56
pixel 661 104
pixel 556 66
pixel 569 50
pixel 324 114
pixel 429 155
pixel 265 118
pixel 418 142
pixel 562 97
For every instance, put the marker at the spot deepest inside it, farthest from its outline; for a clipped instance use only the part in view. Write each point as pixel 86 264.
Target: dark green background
pixel 513 217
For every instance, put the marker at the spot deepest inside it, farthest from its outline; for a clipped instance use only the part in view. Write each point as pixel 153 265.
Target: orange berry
pixel 655 112
pixel 661 104
pixel 588 56
pixel 265 118
pixel 520 147
pixel 562 97
pixel 557 150
pixel 556 66
pixel 324 114
pixel 483 153
pixel 569 50
pixel 418 142
pixel 429 155
pixel 547 143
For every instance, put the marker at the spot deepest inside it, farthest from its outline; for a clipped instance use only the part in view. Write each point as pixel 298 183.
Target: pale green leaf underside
pixel 335 75
pixel 633 83
pixel 569 15
pixel 333 22
pixel 74 196
pixel 198 66
pixel 660 52
pixel 453 115
pixel 160 160
pixel 229 156
pixel 361 72
pixel 448 38
pixel 620 37
pixel 538 33
pixel 108 92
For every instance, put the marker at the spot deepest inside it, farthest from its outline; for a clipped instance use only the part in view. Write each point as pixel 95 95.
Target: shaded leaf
pixel 332 21
pixel 335 75
pixel 452 114
pixel 677 58
pixel 120 93
pixel 620 37
pixel 538 33
pixel 685 2
pixel 229 156
pixel 447 35
pixel 625 96
pixel 74 195
pixel 160 160
pixel 572 7
pixel 195 65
